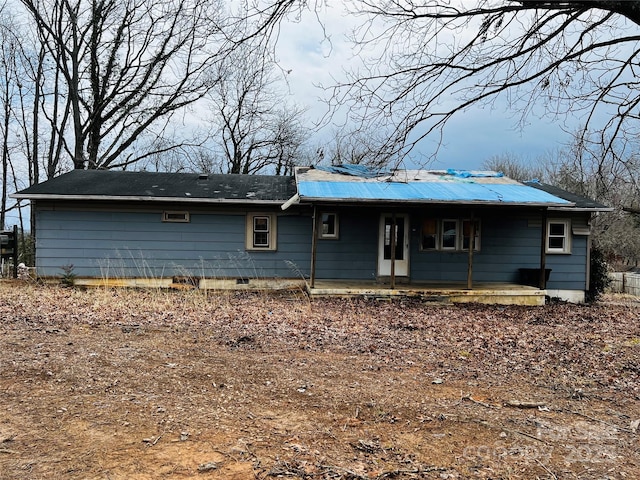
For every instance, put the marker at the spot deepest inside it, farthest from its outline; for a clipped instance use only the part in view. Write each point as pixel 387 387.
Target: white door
pixel 401 260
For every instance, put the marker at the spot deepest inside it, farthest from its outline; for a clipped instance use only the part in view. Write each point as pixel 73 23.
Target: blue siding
pixel 507 245
pixel 354 255
pixel 138 244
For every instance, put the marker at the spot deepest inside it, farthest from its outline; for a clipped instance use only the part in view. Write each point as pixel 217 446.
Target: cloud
pixel 315 50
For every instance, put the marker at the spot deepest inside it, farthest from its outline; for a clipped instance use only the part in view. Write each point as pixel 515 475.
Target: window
pixel 396 239
pixel 558 240
pixel 466 234
pixel 429 237
pixel 175 217
pixel 328 225
pixel 449 234
pixel 261 231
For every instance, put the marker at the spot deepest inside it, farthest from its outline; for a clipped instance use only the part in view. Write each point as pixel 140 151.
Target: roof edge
pixel 133 198
pixel 582 209
pixel 568 205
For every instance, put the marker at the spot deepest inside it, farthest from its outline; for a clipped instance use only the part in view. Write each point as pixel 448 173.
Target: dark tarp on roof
pixel 355 170
pixel 152 185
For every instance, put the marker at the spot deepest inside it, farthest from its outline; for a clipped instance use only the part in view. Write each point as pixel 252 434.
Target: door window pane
pixel 399 238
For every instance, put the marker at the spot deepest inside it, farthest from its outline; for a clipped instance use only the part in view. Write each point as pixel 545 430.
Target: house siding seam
pixel 355 254
pixel 504 251
pixel 125 245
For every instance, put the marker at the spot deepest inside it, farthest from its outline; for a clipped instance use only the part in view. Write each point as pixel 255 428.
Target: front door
pixel 387 241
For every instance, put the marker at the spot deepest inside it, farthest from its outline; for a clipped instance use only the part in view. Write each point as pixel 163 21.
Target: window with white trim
pixel 261 231
pixel 328 227
pixel 558 236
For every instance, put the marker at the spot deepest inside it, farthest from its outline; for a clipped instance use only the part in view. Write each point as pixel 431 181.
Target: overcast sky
pixel 470 138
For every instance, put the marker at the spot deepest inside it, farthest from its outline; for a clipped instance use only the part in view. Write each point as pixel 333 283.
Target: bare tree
pixel 125 67
pixel 254 127
pixel 590 170
pixel 436 59
pixel 289 134
pixel 612 179
pixel 352 146
pixel 521 169
pixel 167 154
pixel 32 93
pixel 9 81
pixel 206 160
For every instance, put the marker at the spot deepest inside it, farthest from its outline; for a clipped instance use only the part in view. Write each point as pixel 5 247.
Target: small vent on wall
pixel 180 217
pixel 186 280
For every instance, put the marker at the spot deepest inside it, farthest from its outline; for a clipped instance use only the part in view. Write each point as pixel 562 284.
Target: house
pixel 466 236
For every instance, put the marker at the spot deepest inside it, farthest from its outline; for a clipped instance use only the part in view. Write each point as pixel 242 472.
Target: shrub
pixel 27 249
pixel 68 276
pixel 599 278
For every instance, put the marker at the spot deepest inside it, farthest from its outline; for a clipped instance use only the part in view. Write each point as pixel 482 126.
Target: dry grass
pixel 112 384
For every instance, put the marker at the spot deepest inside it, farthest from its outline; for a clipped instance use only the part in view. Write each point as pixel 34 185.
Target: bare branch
pixel 437 59
pixel 129 65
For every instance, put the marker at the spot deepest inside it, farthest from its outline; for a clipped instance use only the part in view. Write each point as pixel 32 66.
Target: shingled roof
pixel 580 202
pixel 154 186
pixel 322 184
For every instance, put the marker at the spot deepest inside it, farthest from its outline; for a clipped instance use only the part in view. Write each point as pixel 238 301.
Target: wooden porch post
pixel 543 252
pixel 472 236
pixel 314 241
pixel 393 251
pixel 588 269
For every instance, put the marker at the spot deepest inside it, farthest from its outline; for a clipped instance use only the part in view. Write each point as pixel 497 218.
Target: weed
pixel 68 277
pixel 599 279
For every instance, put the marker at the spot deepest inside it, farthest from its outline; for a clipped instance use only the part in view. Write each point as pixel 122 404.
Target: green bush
pixel 599 278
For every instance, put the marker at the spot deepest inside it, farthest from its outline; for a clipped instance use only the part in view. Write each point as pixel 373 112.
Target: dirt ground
pixel 121 384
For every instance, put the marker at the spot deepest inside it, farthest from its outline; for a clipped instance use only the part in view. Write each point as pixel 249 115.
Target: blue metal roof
pixel 356 170
pixel 436 192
